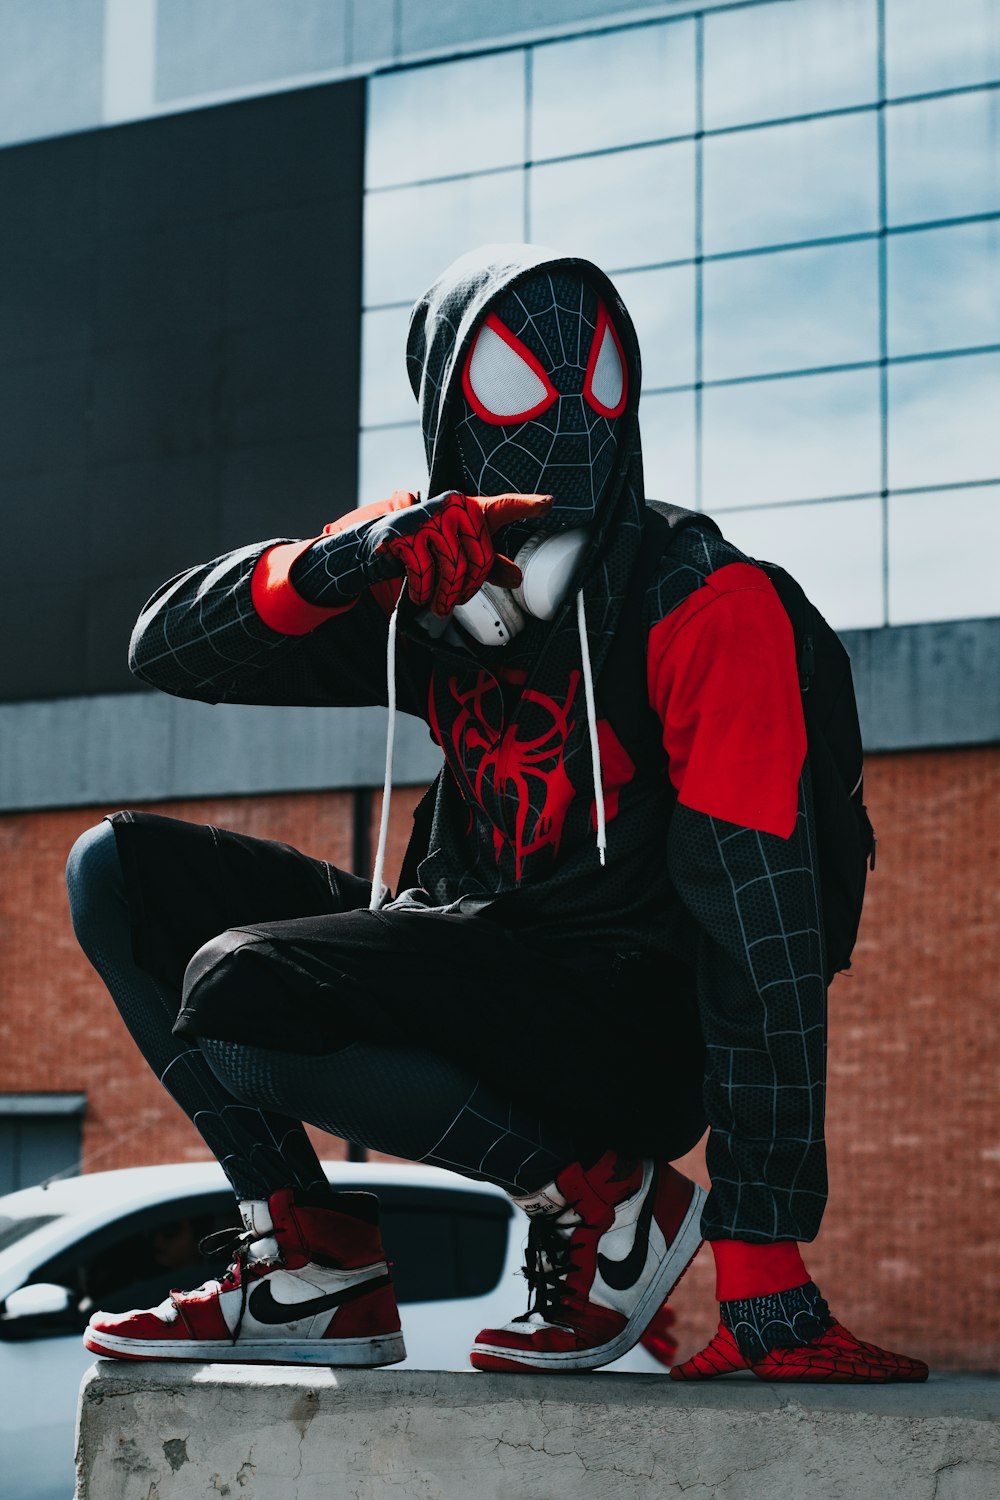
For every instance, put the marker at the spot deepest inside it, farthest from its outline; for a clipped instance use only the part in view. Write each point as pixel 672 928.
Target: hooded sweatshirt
pixel 710 852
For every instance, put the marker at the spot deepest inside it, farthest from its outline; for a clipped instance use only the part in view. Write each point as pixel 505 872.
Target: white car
pixel 117 1240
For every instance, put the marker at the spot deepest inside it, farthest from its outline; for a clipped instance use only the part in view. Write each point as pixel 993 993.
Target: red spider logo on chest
pixel 520 764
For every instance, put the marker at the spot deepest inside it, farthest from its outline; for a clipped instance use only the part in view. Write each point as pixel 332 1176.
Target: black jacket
pixel 711 857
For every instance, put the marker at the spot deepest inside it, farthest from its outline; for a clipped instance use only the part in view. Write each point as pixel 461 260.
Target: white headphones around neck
pixel 494 615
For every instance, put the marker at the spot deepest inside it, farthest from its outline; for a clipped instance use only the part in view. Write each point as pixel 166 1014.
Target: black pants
pixel 439 1037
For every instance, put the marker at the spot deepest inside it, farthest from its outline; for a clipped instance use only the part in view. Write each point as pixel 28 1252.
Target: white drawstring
pixel 390 739
pixel 595 749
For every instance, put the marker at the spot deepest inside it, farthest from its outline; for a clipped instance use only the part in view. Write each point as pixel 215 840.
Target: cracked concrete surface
pixel 180 1432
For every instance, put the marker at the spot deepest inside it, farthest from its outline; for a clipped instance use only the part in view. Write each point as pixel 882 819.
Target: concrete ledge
pixel 149 1432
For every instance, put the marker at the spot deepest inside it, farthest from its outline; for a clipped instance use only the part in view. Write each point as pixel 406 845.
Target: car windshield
pixel 12 1230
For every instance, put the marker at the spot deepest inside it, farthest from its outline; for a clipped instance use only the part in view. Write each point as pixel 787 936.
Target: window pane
pixel 933 46
pixel 928 581
pixel 667 428
pixel 789 311
pixel 662 308
pixel 790 439
pixel 791 182
pixel 385 389
pixel 390 458
pixel 454 117
pixel 611 90
pixel 834 550
pixel 944 288
pixel 943 157
pixel 632 208
pixel 943 426
pixel 810 56
pixel 446 220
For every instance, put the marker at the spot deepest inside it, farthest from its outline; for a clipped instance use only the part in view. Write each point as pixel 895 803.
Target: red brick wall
pixel 909 1252
pixel 58 1029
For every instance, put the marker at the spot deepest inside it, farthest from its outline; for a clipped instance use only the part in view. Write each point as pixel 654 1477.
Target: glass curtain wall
pixel 799 201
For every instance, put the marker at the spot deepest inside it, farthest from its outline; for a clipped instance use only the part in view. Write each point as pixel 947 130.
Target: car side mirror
pixel 40 1299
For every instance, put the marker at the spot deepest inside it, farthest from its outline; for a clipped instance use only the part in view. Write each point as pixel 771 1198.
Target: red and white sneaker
pixel 308 1286
pixel 836 1357
pixel 606 1246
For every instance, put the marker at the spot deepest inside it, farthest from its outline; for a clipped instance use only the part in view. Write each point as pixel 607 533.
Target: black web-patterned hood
pixel 589 458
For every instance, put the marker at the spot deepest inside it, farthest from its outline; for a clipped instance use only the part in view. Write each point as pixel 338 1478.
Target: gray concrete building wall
pixel 919 687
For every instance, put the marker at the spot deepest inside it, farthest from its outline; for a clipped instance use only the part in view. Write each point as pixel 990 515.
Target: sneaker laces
pixel 546 1266
pixel 236 1242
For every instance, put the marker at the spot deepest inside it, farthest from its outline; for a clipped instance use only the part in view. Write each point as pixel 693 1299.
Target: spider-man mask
pixel 544 385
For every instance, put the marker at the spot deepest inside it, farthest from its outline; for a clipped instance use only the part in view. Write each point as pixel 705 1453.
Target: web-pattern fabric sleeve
pixel 200 636
pixel 741 855
pixel 762 1006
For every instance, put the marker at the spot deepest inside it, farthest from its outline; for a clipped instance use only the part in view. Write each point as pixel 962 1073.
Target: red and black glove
pixel 446 546
pixel 443 546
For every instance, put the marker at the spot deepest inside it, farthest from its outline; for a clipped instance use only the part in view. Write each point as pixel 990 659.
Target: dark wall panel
pixel 179 326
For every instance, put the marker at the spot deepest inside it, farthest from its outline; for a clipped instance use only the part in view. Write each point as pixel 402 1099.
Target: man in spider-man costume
pixel 608 929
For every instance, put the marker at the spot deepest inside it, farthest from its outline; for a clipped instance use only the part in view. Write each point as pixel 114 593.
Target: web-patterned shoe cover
pixel 720 1356
pixel 839 1358
pixel 836 1357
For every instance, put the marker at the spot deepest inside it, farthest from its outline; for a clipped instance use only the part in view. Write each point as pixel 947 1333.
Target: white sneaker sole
pixel 682 1252
pixel 385 1349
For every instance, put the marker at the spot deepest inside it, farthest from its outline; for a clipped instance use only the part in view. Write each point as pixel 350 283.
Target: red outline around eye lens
pixel 494 324
pixel 603 322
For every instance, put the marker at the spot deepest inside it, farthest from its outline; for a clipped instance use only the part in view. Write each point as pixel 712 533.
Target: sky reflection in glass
pixel 667 427
pixel 943 157
pixel 944 288
pixel 795 310
pixel 791 439
pixel 627 209
pixel 431 122
pixel 412 234
pixel 784 183
pixel 807 57
pixel 661 304
pixel 924 583
pixel 385 389
pixel 943 421
pixel 929 45
pixel 612 90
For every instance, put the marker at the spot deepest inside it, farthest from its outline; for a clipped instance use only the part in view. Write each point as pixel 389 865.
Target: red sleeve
pixel 723 680
pixel 275 597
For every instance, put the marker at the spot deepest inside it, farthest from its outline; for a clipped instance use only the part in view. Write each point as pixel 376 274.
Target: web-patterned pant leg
pixel 406 1102
pixel 762 1003
pixel 260 1151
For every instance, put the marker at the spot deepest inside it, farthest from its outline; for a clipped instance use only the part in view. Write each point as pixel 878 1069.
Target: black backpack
pixel 844 834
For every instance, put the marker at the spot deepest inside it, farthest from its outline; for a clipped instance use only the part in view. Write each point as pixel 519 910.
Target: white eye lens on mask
pixel 494 615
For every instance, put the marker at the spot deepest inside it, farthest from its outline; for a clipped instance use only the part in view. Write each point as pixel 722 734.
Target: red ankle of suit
pixel 743 1269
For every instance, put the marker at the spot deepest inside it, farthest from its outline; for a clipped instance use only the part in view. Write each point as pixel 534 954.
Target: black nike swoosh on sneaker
pixel 265 1309
pixel 622 1274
